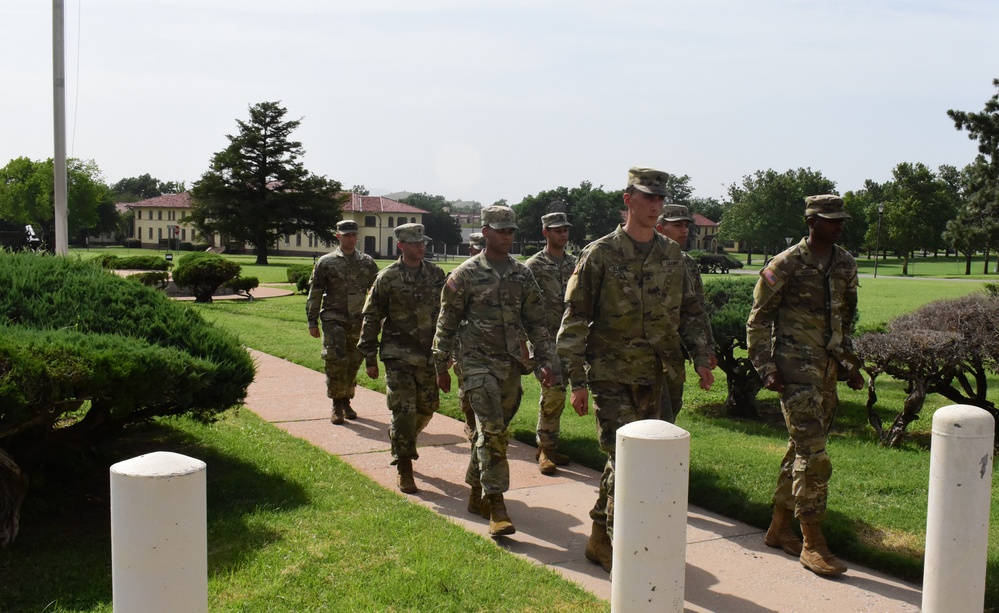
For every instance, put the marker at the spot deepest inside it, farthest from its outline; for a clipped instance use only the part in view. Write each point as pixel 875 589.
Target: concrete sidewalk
pixel 728 568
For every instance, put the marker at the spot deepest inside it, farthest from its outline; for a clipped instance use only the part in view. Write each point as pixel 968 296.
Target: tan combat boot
pixel 337 417
pixel 599 549
pixel 780 534
pixel 815 554
pixel 407 484
pixel 560 459
pixel 348 412
pixel 499 521
pixel 545 464
pixel 475 500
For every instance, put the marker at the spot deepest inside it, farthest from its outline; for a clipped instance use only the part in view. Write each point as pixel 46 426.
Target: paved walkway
pixel 728 568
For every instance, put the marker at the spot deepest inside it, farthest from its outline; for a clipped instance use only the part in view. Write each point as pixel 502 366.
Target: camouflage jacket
pixel 403 306
pixel 703 322
pixel 338 286
pixel 626 318
pixel 800 311
pixel 552 278
pixel 498 311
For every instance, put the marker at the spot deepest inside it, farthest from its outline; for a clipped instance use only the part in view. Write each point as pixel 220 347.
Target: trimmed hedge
pixel 204 272
pixel 300 274
pixel 132 262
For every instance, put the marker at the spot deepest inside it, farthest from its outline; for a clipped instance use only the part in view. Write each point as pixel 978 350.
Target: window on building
pixel 370 222
pixel 183 234
pixel 150 234
pixel 159 215
pixel 388 246
pixel 138 232
pixel 159 233
pixel 391 222
pixel 138 214
pixel 298 239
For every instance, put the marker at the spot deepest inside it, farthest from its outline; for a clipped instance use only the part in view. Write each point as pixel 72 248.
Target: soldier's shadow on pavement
pixel 697 590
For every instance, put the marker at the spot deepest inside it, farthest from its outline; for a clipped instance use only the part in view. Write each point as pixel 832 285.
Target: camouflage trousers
pixel 803 481
pixel 342 357
pixel 494 403
pixel 411 392
pixel 550 409
pixel 616 405
pixel 466 407
pixel 671 400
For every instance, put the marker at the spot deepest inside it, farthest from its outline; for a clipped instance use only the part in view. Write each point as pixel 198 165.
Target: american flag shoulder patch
pixel 453 283
pixel 769 276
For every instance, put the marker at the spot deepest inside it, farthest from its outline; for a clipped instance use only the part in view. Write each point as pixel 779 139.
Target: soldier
pixel 337 288
pixel 552 267
pixel 674 223
pixel 476 243
pixel 403 305
pixel 799 336
pixel 628 305
pixel 499 300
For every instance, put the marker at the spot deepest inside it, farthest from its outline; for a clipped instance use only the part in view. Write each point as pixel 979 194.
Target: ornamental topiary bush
pixel 84 353
pixel 204 272
pixel 299 274
pixel 728 302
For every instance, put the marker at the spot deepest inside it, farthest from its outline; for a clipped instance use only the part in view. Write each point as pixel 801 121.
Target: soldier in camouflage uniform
pixel 552 268
pixel 498 298
pixel 476 244
pixel 403 305
pixel 630 309
pixel 674 223
pixel 337 288
pixel 799 335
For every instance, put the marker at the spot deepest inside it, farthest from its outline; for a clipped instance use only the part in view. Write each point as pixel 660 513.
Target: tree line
pixel 257 189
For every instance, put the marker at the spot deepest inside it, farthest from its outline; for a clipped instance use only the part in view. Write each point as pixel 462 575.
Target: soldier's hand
pixel 314 332
pixel 712 361
pixel 707 379
pixel 773 383
pixel 373 371
pixel 581 401
pixel 444 382
pixel 856 380
pixel 547 377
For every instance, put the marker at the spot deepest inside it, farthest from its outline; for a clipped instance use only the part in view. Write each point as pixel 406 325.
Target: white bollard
pixel 957 516
pixel 650 517
pixel 159 534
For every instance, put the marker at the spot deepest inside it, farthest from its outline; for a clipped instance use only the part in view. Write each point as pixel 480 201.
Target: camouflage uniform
pixel 477 242
pixel 800 328
pixel 672 397
pixel 336 297
pixel 494 310
pixel 403 306
pixel 626 322
pixel 552 277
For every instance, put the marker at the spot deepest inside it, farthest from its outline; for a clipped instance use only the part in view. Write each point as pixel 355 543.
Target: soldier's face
pixel 643 209
pixel 412 253
pixel 557 237
pixel 348 242
pixel 498 241
pixel 827 230
pixel 677 230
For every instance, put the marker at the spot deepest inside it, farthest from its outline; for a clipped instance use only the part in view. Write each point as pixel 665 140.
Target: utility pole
pixel 59 126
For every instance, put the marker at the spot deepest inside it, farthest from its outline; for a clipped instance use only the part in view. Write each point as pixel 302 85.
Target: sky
pixel 489 100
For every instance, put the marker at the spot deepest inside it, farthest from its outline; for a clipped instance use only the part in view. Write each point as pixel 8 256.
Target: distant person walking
pixel 630 309
pixel 337 288
pixel 552 267
pixel 674 224
pixel 499 300
pixel 799 335
pixel 402 306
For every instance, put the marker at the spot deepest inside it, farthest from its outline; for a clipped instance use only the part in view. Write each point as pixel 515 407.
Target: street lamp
pixel 877 243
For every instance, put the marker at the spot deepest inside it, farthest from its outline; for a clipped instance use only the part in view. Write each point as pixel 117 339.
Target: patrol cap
pixel 649 180
pixel 476 240
pixel 675 212
pixel 411 233
pixel 828 206
pixel 554 220
pixel 347 226
pixel 499 217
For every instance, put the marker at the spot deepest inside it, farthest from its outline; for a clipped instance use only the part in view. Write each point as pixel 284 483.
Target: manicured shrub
pixel 204 273
pixel 243 285
pixel 299 274
pixel 729 301
pixel 131 243
pixel 132 262
pixel 156 279
pixel 84 353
